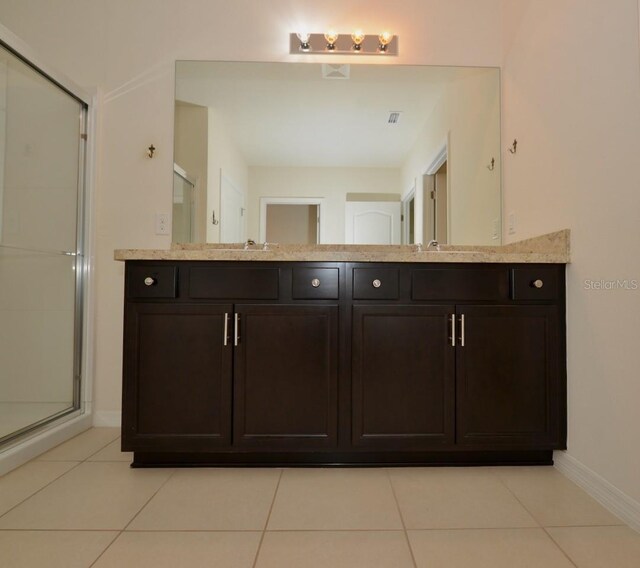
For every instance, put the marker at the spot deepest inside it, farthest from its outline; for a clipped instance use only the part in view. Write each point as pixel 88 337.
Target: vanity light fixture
pixel 304 41
pixel 357 37
pixel 333 43
pixel 385 39
pixel 331 37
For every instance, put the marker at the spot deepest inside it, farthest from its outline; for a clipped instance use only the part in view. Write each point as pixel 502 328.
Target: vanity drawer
pixel 534 283
pixel 376 283
pixel 315 284
pixel 460 284
pixel 234 283
pixel 152 281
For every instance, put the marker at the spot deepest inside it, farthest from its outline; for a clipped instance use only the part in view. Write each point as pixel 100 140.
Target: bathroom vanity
pixel 372 355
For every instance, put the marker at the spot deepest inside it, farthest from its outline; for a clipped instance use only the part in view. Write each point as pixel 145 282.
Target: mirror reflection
pixel 306 153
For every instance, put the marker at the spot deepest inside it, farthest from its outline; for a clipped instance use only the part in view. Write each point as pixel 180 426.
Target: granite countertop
pixel 552 248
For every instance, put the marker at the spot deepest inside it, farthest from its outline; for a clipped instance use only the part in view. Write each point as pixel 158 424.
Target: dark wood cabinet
pixel 509 376
pixel 246 363
pixel 177 377
pixel 403 377
pixel 286 377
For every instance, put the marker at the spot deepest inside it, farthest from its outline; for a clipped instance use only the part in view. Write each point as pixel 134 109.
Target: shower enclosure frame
pixel 22 444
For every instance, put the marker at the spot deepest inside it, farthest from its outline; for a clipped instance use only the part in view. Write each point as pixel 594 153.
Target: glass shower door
pixel 183 206
pixel 41 255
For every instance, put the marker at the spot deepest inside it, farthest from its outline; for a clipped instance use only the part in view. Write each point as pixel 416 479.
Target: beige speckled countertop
pixel 552 248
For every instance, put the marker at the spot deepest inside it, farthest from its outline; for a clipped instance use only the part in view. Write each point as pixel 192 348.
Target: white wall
pixel 468 117
pixel 330 183
pixel 572 99
pixel 127 49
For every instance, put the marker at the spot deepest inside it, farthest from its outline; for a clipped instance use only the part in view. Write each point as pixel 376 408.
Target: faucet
pixel 418 247
pixel 249 243
pixel 433 243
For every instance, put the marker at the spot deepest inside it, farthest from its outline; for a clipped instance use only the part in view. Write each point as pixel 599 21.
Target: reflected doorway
pixel 290 220
pixel 409 218
pixel 435 186
pixel 232 210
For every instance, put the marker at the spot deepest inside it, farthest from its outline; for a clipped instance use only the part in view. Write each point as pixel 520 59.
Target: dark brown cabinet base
pixel 286 377
pixel 266 363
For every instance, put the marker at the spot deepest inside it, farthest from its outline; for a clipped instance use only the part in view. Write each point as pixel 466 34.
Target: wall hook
pixel 214 221
pixel 151 150
pixel 492 165
pixel 514 147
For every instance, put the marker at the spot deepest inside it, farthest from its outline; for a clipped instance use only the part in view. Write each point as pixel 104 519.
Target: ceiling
pixel 287 114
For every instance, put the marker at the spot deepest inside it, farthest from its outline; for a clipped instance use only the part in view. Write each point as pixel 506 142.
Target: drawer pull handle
pixel 315 283
pixel 537 283
pixel 376 283
pixel 148 281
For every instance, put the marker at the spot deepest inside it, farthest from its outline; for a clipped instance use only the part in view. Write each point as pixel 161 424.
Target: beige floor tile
pixel 448 498
pixel 112 452
pixel 334 499
pixel 486 548
pixel 52 549
pixel 181 550
pixel 553 499
pixel 94 495
pixel 346 549
pixel 599 547
pixel 211 499
pixel 82 446
pixel 21 483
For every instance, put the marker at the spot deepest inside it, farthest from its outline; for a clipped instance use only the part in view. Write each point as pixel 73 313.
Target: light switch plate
pixel 162 224
pixel 496 229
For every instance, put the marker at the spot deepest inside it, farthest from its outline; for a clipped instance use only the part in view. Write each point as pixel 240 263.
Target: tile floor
pixel 80 505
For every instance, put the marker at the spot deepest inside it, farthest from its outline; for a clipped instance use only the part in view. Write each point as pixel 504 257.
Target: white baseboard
pixel 30 448
pixel 107 418
pixel 619 503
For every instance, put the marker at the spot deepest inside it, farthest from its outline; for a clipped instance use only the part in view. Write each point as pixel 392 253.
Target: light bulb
pixel 331 37
pixel 357 37
pixel 304 40
pixel 385 39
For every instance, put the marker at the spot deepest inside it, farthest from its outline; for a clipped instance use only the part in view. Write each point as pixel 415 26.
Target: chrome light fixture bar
pixel 354 43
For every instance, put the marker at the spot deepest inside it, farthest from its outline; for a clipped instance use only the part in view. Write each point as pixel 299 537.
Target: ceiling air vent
pixel 335 71
pixel 394 117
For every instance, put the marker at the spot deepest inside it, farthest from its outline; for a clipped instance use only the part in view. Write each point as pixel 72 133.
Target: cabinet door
pixel 403 377
pixel 286 377
pixel 508 377
pixel 177 377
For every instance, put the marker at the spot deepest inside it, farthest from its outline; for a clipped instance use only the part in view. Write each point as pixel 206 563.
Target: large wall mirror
pixel 311 153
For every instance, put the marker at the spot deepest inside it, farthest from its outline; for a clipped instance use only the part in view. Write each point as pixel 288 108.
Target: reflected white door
pixel 231 212
pixel 372 223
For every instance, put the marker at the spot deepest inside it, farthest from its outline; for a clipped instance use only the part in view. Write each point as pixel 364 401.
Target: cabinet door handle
pixel 226 330
pixel 236 329
pixel 376 283
pixel 462 330
pixel 453 330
